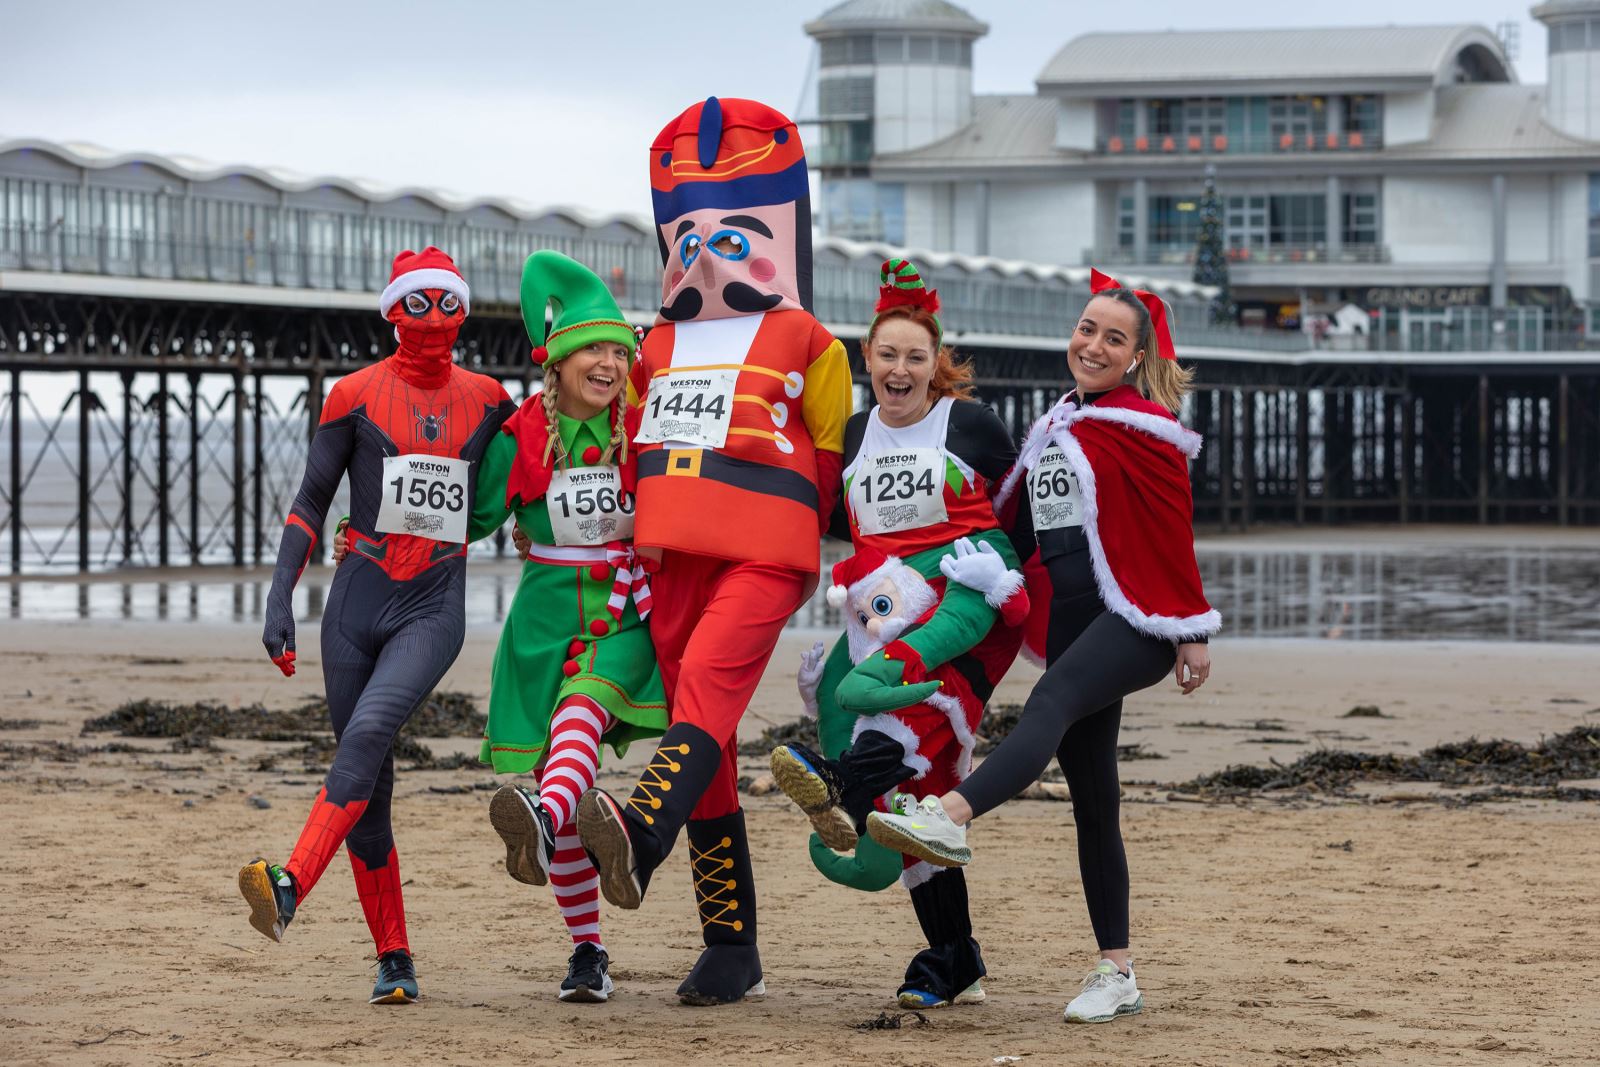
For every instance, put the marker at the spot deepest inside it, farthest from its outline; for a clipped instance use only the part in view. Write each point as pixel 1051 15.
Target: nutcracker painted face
pixel 732 205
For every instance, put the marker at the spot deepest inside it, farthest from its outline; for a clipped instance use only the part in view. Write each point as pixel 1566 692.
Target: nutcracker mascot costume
pixel 745 397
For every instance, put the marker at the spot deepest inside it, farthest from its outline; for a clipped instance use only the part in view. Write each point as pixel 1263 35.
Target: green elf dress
pixel 577 622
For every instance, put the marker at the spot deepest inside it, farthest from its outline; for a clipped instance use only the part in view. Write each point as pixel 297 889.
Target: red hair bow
pixel 1099 283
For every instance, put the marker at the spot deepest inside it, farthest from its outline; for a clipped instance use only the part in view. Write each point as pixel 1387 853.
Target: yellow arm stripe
pixel 825 404
pixel 743 431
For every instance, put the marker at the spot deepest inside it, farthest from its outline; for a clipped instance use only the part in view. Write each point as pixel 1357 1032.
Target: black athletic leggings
pixel 1095 659
pixel 385 646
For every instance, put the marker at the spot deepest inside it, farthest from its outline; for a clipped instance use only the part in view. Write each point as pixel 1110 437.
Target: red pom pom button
pixel 575 649
pixel 591 455
pixel 599 571
pixel 570 668
pixel 599 627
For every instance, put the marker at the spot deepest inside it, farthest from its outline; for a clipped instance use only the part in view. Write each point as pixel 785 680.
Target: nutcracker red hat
pixel 428 269
pixel 731 197
pixel 860 572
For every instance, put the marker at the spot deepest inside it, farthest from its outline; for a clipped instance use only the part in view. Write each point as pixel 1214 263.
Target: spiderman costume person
pixel 409 431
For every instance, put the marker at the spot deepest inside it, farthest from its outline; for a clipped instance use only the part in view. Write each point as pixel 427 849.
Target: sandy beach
pixel 1317 931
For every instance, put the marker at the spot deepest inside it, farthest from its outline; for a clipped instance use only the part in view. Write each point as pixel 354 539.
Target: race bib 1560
pixel 1054 493
pixel 425 496
pixel 691 407
pixel 900 490
pixel 589 507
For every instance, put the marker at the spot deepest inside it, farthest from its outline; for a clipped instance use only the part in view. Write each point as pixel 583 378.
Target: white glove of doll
pixel 810 674
pixel 975 566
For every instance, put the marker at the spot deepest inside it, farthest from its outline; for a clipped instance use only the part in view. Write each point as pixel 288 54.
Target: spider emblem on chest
pixel 430 426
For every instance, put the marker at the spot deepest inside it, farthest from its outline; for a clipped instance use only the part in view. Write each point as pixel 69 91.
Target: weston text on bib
pixel 899 490
pixel 1053 492
pixel 425 496
pixel 689 407
pixel 588 506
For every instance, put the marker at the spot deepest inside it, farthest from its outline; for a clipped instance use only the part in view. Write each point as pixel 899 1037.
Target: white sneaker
pixel 921 829
pixel 1106 994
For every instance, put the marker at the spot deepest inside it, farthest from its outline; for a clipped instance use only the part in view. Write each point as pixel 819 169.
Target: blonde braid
pixel 552 442
pixel 617 447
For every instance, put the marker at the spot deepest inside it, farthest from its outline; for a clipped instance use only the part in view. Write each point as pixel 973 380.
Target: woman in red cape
pixel 1117 605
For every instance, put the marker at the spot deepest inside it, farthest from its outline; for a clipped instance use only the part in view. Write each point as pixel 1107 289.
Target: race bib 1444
pixel 900 490
pixel 425 496
pixel 588 506
pixel 1054 493
pixel 689 407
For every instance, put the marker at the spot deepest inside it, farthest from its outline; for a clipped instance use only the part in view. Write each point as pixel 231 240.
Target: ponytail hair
pixel 1164 381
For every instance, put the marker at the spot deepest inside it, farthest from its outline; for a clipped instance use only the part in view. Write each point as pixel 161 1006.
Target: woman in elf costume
pixel 933 604
pixel 575 665
pixel 1117 605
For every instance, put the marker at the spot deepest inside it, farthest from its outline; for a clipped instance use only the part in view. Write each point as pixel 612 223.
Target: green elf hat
pixel 900 285
pixel 585 310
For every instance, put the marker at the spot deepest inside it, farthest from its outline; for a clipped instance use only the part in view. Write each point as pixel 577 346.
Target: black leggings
pixel 385 646
pixel 1095 659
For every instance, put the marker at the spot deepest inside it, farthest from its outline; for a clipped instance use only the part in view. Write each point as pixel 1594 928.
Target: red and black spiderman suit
pixel 395 617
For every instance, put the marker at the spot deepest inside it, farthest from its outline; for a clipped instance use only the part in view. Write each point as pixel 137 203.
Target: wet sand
pixel 1334 932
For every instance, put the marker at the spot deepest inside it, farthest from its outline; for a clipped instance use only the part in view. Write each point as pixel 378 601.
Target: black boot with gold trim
pixel 729 969
pixel 628 841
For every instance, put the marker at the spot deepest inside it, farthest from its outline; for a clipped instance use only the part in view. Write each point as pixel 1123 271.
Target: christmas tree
pixel 1210 260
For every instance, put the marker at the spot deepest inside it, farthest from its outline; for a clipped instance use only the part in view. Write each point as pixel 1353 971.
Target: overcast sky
pixel 553 103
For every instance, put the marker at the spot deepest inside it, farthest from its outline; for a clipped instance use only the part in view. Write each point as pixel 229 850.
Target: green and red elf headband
pixel 900 285
pixel 1100 283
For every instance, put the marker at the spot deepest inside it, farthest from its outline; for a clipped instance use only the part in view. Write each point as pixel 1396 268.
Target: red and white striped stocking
pixel 569 770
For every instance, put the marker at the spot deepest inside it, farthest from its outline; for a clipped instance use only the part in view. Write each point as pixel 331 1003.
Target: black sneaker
pixel 813 783
pixel 528 831
pixel 397 979
pixel 271 893
pixel 588 978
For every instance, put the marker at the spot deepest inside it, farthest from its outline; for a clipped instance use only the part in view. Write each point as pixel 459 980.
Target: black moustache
pixel 687 306
pixel 747 298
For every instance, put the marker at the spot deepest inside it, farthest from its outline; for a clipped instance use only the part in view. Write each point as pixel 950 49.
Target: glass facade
pixel 1242 124
pixel 863 210
pixel 1287 223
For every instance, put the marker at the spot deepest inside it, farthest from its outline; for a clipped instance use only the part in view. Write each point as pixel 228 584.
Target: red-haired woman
pixel 921 468
pixel 1107 482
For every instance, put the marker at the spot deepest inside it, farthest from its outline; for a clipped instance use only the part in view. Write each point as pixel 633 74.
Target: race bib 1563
pixel 691 407
pixel 588 506
pixel 1054 493
pixel 900 490
pixel 425 496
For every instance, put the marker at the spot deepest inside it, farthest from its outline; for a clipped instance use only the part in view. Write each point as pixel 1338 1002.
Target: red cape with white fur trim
pixel 1129 458
pixel 530 476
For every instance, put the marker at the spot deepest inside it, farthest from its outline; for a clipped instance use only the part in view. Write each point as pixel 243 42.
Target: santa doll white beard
pixel 863 644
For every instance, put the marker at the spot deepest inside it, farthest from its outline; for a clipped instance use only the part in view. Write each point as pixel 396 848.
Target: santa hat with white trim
pixel 859 573
pixel 428 269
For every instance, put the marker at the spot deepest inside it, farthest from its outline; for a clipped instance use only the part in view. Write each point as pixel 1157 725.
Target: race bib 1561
pixel 691 407
pixel 425 496
pixel 588 506
pixel 1054 493
pixel 900 490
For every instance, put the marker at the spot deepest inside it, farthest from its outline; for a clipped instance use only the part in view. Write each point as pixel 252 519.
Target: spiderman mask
pixel 426 323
